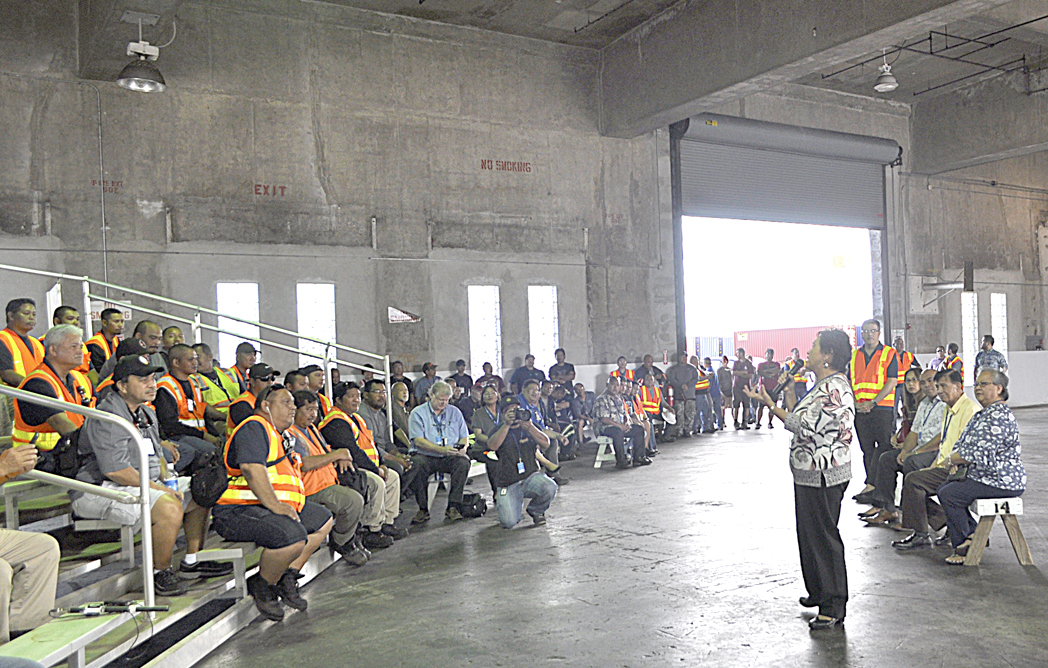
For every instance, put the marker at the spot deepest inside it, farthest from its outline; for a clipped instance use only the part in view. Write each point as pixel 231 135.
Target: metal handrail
pixel 143 474
pixel 328 359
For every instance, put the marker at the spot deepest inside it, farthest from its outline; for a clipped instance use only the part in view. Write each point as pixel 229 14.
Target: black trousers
pixel 874 430
pixel 822 550
pixel 888 470
pixel 457 466
pixel 618 441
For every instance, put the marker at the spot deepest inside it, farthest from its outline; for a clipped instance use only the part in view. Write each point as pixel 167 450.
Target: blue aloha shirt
pixel 990 441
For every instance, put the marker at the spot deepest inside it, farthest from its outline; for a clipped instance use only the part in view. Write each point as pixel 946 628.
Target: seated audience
pixel 266 504
pixel 920 514
pixel 43 427
pixel 466 401
pixel 653 403
pixel 295 381
pixel 989 447
pixel 343 428
pixel 621 370
pixel 490 378
pixel 171 336
pixel 126 347
pixel 182 411
pixel 582 407
pixel 561 419
pixel 400 418
pixel 422 385
pixel 396 372
pixel 517 473
pixel 613 422
pixel 218 389
pixel 103 345
pixel 149 333
pixel 917 450
pixel 315 376
pixel 638 417
pixel 28 562
pixel 373 411
pixel 246 357
pixel 484 423
pixel 461 378
pixel 320 469
pixel 20 353
pixel 259 377
pixel 67 315
pixel 110 458
pixel 525 373
pixel 439 437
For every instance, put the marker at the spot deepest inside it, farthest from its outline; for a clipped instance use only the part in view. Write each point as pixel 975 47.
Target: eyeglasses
pixel 267 379
pixel 984 383
pixel 871 331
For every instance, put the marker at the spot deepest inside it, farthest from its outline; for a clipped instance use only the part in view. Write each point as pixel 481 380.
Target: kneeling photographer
pixel 517 475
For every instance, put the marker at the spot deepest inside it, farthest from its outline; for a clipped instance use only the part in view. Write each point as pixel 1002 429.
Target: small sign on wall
pixel 396 315
pixel 98 306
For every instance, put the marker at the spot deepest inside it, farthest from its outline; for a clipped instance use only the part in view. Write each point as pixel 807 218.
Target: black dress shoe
pixel 821 623
pixel 641 461
pixel 807 602
pixel 913 541
pixel 865 497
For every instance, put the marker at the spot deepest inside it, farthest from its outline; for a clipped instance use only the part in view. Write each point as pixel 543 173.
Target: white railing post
pixel 327 373
pixel 148 596
pixel 85 321
pixel 196 327
pixel 389 399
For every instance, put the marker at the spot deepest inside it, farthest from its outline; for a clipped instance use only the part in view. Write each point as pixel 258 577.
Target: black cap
pixel 261 370
pixel 134 365
pixel 130 346
pixel 509 400
pixel 246 347
pixel 306 370
pixel 460 363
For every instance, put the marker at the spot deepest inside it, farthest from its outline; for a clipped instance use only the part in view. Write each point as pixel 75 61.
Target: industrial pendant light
pixel 886 81
pixel 142 74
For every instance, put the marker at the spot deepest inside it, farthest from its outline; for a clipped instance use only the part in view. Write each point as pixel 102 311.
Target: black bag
pixel 473 505
pixel 63 459
pixel 209 480
pixel 355 480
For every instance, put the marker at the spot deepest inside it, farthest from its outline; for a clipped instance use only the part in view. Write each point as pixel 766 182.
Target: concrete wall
pixel 284 131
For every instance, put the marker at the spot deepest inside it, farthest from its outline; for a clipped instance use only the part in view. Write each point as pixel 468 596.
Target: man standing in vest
pixel 266 504
pixel 20 353
pixel 703 401
pixel 716 421
pixel 57 378
pixel 795 366
pixel 874 374
pixel 103 345
pixel 182 411
pixel 344 429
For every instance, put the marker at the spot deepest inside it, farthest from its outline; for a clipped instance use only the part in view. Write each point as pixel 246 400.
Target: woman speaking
pixel 822 424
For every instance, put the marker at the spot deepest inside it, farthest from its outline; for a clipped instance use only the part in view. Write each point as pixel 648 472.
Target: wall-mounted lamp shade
pixel 886 81
pixel 143 76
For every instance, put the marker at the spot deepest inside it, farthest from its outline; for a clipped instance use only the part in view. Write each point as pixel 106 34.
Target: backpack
pixel 63 459
pixel 473 505
pixel 209 480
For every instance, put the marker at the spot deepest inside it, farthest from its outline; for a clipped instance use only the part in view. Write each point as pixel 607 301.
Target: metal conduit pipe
pixel 148 595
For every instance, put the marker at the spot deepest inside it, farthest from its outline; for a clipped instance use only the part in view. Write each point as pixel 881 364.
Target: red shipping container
pixel 756 341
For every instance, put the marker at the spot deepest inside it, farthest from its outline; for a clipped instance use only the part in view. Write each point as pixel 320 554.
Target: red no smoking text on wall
pixel 505 166
pixel 270 190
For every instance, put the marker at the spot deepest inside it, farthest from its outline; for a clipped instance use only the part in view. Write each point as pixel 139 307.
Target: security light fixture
pixel 886 81
pixel 142 74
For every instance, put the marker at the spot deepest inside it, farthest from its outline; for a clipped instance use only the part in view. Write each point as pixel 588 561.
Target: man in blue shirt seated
pixel 439 436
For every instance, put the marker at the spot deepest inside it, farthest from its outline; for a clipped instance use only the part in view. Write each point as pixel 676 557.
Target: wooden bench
pixel 475 469
pixel 1008 510
pixel 605 451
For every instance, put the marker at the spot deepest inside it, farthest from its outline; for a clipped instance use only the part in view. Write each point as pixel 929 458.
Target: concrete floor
pixel 691 561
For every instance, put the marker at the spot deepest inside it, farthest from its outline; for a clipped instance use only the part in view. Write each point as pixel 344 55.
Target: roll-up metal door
pixel 748 170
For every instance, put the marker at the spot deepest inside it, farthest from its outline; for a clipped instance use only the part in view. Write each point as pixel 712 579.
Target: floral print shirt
pixel 990 441
pixel 823 426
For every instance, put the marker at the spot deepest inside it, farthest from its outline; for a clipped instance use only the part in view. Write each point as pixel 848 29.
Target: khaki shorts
pixel 93 507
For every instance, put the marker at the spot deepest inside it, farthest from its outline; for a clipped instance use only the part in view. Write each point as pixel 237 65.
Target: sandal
pixel 872 512
pixel 884 518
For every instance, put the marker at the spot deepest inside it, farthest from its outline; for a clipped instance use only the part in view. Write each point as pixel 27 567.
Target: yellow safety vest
pixel 44 436
pixel 868 380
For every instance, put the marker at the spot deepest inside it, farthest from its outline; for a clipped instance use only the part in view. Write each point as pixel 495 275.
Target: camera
pixel 521 414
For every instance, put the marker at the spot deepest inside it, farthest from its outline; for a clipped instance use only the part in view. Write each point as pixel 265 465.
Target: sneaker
pixel 266 599
pixel 204 569
pixel 421 517
pixel 539 519
pixel 166 583
pixel 453 514
pixel 375 540
pixel 351 554
pixel 758 426
pixel 287 589
pixel 393 532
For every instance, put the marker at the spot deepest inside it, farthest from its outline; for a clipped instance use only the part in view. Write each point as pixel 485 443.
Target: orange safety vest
pixel 651 400
pixel 44 436
pixel 26 359
pixel 365 441
pixel 99 340
pixel 324 405
pixel 230 425
pixel 190 410
pixel 282 468
pixel 801 376
pixel 905 362
pixel 957 364
pixel 85 366
pixel 702 384
pixel 638 406
pixel 868 380
pixel 320 478
pixel 628 375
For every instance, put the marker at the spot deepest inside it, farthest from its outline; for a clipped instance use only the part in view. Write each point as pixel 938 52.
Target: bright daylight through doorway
pixel 745 275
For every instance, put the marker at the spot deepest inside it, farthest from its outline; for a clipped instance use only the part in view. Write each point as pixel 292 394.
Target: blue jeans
pixel 956 496
pixel 715 408
pixel 538 487
pixel 703 412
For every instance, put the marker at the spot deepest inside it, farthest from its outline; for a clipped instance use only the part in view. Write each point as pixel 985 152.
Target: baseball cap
pixel 133 365
pixel 261 370
pixel 245 347
pixel 306 370
pixel 459 363
pixel 130 346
